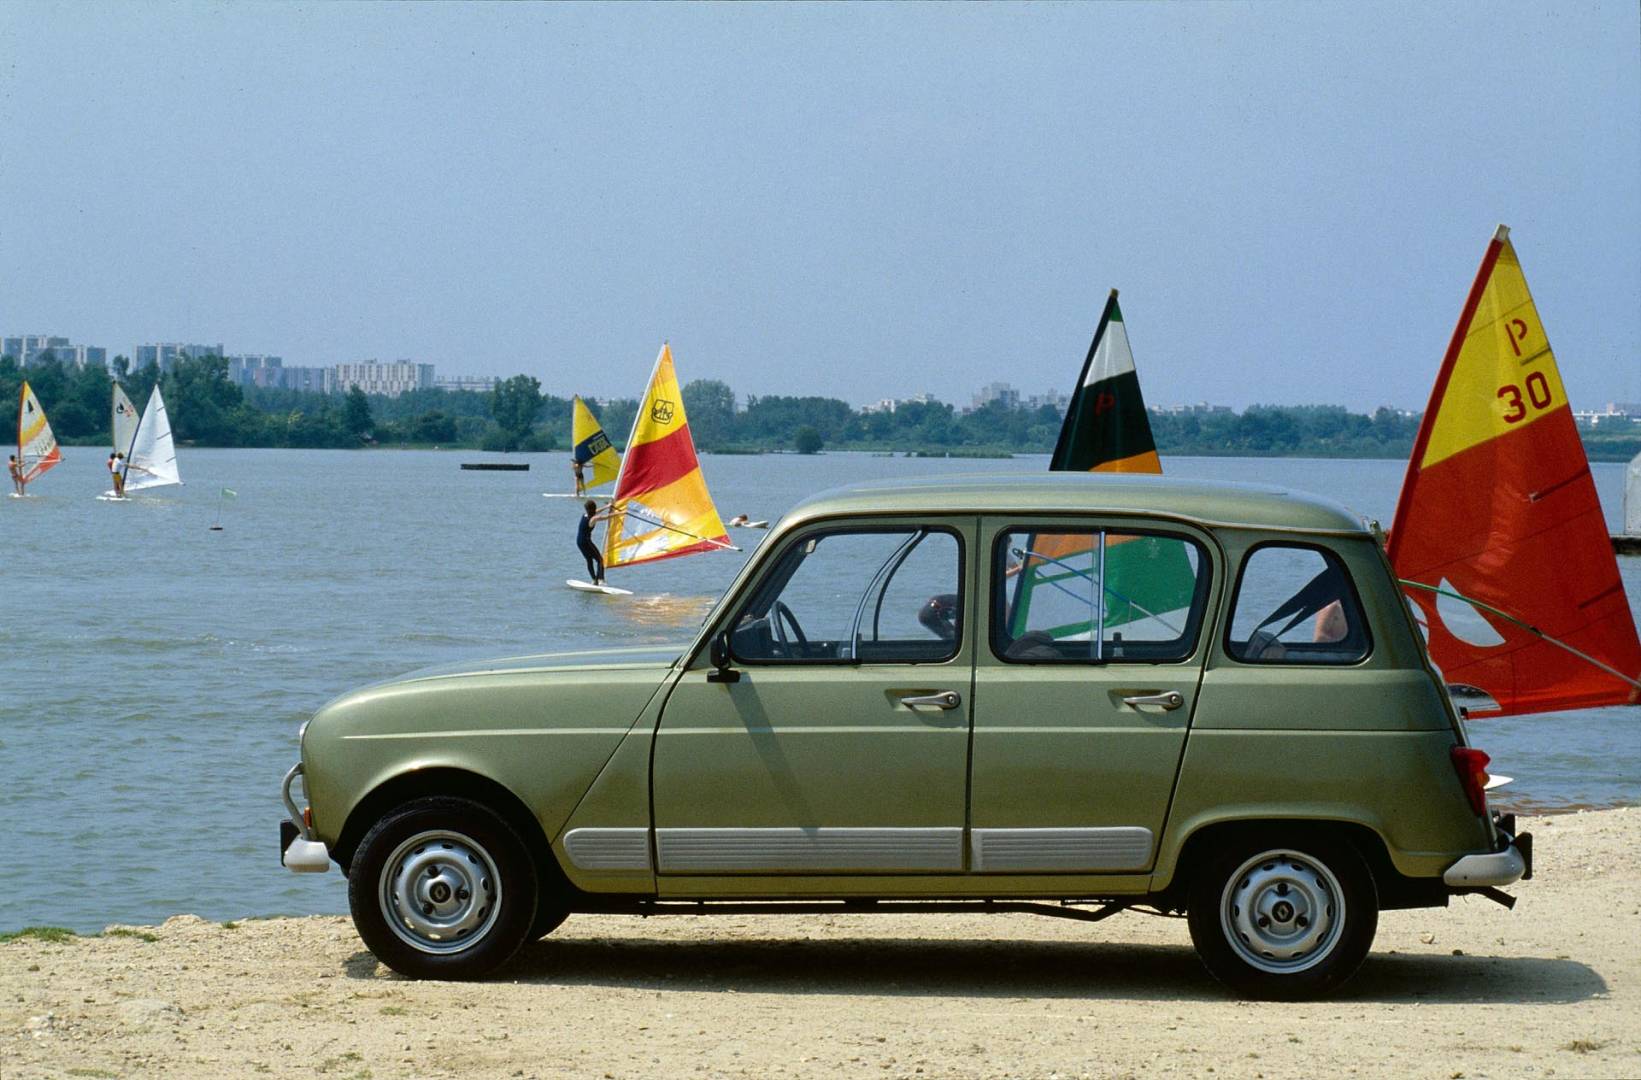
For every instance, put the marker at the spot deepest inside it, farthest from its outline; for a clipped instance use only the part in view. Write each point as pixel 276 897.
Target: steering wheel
pixel 783 614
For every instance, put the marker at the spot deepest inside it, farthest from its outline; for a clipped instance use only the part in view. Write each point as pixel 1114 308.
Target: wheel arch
pixel 455 783
pixel 1393 889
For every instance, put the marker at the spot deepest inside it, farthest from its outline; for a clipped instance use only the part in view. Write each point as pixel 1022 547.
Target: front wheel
pixel 443 888
pixel 1284 922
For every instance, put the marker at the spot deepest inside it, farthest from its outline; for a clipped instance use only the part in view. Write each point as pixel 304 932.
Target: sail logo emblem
pixel 662 411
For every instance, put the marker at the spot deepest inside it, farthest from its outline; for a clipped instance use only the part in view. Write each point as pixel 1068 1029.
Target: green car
pixel 1067 694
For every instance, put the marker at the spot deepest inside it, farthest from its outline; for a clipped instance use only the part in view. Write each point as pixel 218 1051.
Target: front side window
pixel 1094 596
pixel 865 596
pixel 1296 605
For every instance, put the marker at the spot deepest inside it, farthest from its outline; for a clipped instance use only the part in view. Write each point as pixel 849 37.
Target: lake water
pixel 154 672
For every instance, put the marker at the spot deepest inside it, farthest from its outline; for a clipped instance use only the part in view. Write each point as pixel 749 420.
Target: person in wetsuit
pixel 584 541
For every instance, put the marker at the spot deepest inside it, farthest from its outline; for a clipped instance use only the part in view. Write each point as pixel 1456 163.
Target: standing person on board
pixel 119 468
pixel 16 475
pixel 584 541
pixel 580 472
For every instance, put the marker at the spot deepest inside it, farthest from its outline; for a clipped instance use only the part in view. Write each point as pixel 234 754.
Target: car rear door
pixel 1084 689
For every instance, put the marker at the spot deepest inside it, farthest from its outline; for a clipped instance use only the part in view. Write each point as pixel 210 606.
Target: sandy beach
pixel 1550 989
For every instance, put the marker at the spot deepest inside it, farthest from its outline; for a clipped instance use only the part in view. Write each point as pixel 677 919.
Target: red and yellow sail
pixel 662 508
pixel 36 446
pixel 1499 507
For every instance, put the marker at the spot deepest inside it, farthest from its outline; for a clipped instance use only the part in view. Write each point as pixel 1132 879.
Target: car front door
pixel 841 745
pixel 1084 688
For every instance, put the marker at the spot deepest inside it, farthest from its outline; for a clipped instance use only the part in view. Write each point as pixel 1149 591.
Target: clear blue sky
pixel 856 201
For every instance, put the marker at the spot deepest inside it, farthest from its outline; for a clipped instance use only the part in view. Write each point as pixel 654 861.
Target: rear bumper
pixel 1510 864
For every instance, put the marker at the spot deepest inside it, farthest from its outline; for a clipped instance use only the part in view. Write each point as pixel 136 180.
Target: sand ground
pixel 1550 989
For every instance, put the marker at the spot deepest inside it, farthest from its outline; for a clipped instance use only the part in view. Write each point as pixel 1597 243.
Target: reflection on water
pixel 671 612
pixel 155 672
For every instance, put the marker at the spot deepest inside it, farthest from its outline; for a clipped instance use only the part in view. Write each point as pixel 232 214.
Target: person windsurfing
pixel 591 516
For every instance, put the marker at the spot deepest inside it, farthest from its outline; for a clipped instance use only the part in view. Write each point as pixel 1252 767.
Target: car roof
pixel 1212 503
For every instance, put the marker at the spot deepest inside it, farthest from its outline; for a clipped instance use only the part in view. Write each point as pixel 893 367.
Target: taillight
pixel 1471 765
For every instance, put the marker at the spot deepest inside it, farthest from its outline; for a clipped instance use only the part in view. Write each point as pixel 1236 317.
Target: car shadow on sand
pixel 978 967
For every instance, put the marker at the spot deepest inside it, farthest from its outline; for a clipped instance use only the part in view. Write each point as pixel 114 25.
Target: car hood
pixel 651 656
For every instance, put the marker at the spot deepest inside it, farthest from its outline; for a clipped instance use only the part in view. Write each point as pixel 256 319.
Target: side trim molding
pixel 808 850
pixel 608 849
pixel 999 851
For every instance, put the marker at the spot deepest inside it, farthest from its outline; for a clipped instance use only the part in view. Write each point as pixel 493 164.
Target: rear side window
pixel 1296 605
pixel 1093 596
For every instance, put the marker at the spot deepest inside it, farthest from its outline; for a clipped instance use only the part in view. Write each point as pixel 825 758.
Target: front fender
pixel 541 736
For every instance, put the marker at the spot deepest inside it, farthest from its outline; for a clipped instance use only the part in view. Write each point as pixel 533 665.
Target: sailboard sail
pixel 592 446
pixel 36 446
pixel 662 508
pixel 125 422
pixel 153 457
pixel 1106 429
pixel 1499 536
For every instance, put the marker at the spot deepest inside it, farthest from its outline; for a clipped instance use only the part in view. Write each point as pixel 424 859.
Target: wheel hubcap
pixel 1282 912
pixel 440 892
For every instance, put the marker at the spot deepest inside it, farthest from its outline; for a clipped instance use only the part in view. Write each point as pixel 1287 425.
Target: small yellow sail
pixel 662 508
pixel 592 446
pixel 36 445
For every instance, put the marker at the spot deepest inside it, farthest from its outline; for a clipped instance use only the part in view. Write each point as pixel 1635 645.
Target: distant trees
pixel 356 413
pixel 515 405
pixel 808 440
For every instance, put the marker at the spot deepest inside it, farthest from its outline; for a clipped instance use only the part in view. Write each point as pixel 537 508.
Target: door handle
pixel 1168 699
pixel 945 699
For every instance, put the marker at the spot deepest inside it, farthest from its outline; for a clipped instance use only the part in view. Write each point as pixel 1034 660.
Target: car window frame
pixel 755 588
pixel 1327 553
pixel 1201 600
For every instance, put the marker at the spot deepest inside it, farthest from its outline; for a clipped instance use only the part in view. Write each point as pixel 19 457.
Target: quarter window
pixel 1296 605
pixel 1092 596
pixel 877 596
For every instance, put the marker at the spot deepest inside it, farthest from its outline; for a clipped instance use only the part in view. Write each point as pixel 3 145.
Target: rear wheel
pixel 443 888
pixel 1284 921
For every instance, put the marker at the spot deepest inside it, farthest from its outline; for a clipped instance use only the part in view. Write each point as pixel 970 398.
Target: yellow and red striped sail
pixel 36 446
pixel 662 508
pixel 1499 508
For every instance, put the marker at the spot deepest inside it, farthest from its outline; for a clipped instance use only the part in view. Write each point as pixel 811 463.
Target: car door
pixel 841 746
pixel 1084 690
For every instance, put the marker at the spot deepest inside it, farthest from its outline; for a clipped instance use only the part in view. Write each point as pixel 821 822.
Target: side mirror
pixel 718 653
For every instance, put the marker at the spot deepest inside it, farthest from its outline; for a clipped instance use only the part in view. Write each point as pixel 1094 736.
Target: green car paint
pixel 648 775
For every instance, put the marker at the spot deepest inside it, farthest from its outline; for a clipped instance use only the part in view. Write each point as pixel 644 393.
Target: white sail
pixel 153 458
pixel 125 422
pixel 1632 498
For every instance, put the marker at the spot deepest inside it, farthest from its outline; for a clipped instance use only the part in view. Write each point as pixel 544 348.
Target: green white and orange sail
pixel 36 446
pixel 592 449
pixel 662 508
pixel 1106 430
pixel 1499 536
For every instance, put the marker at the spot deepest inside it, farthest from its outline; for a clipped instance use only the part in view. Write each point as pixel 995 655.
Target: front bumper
pixel 1511 863
pixel 299 851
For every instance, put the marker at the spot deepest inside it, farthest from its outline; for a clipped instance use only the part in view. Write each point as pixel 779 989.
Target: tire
pixel 1283 917
pixel 443 888
pixel 549 917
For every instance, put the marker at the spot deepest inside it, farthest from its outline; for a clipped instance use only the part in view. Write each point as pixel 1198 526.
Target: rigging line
pixel 1023 552
pixel 1529 627
pixel 673 528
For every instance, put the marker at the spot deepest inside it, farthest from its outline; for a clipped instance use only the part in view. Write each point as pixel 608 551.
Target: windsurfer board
pixel 113 498
pixel 16 495
pixel 587 586
pixel 749 524
pixel 561 495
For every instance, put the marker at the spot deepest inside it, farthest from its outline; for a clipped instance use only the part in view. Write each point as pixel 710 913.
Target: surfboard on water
pixel 587 586
pixel 562 495
pixel 1499 538
pixel 112 498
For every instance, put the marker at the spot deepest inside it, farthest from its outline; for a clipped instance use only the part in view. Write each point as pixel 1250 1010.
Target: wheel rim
pixel 1282 912
pixel 440 892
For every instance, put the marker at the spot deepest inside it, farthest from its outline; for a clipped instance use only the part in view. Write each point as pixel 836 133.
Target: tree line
pixel 208 409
